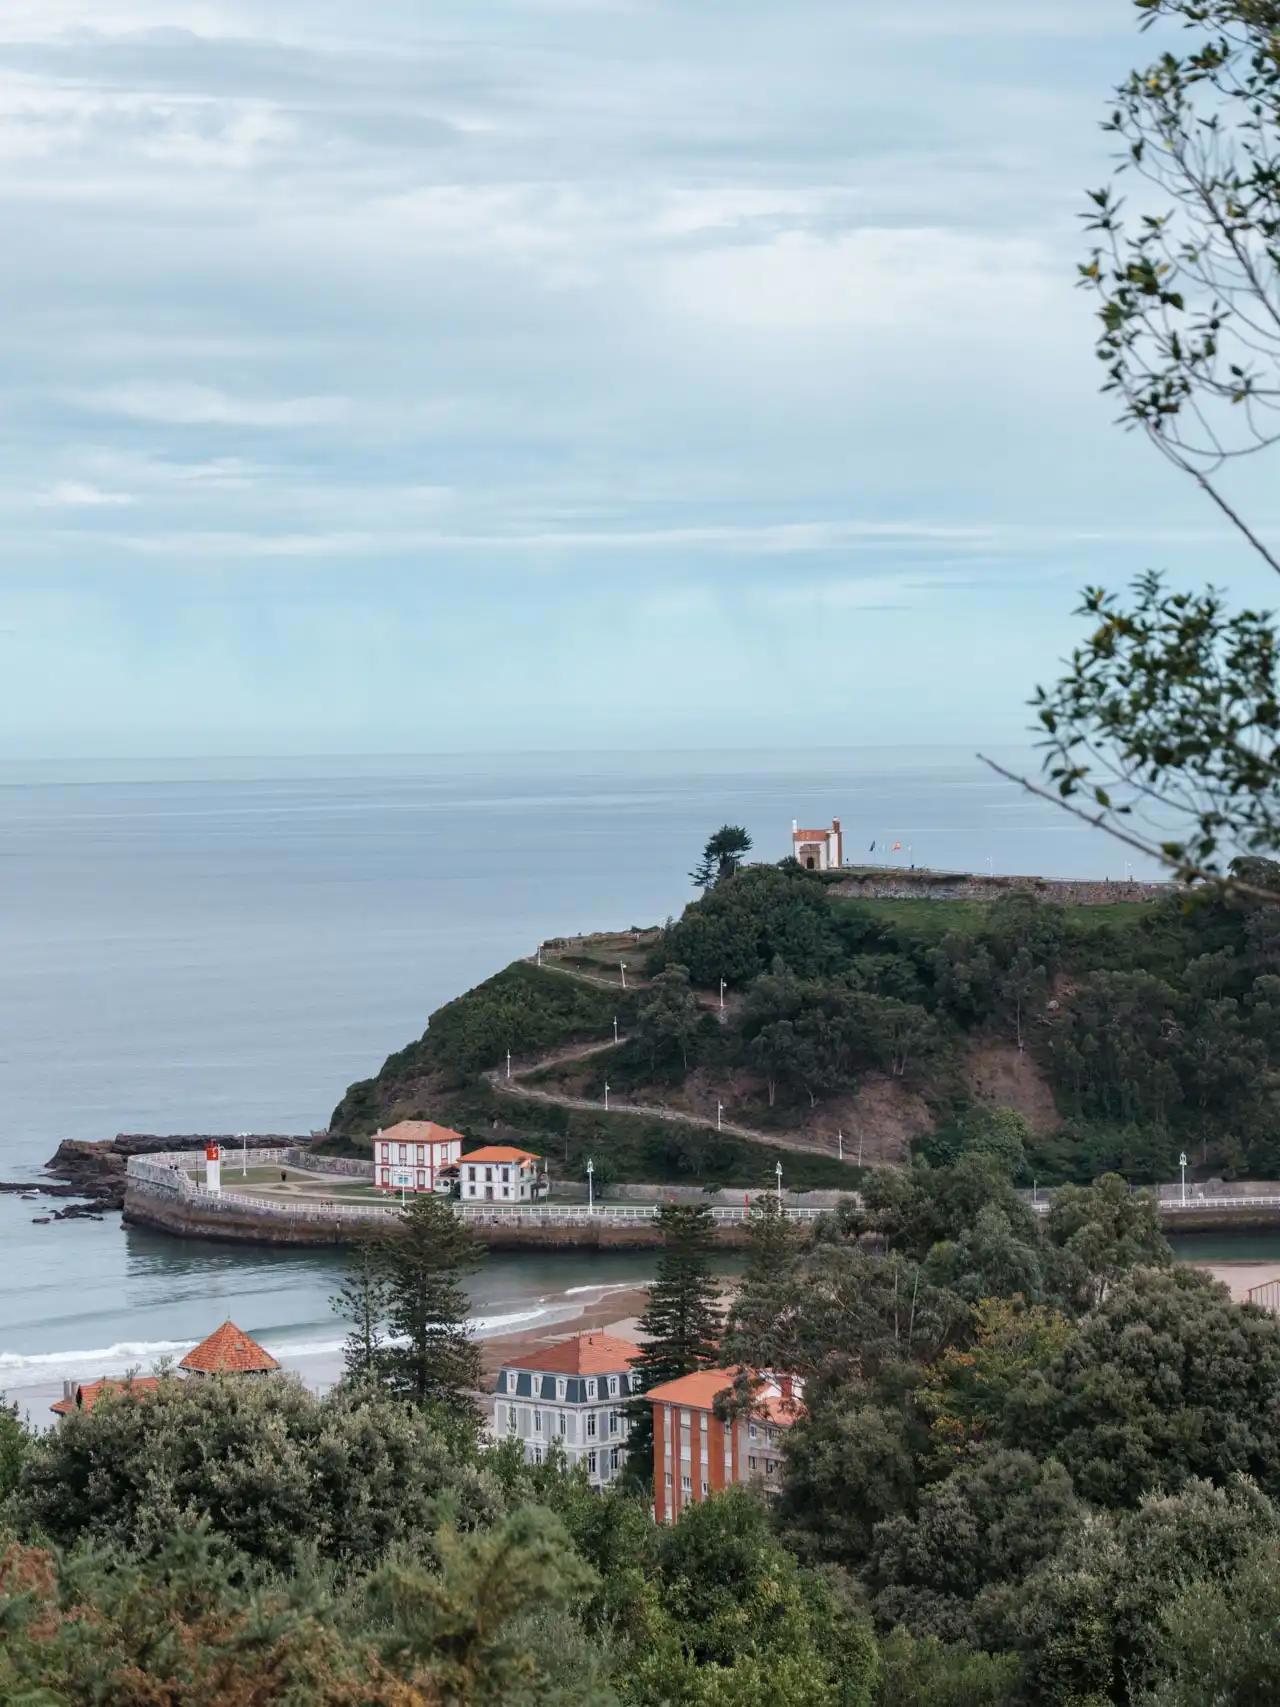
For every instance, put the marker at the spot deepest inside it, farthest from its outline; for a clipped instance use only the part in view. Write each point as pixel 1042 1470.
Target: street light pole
pixel 591 1201
pixel 615 1028
pixel 1182 1163
pixel 606 1095
pixel 777 1168
pixel 719 1112
pixel 722 995
pixel 623 965
pixel 840 1144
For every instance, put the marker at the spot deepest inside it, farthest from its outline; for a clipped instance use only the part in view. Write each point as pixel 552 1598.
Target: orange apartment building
pixel 696 1453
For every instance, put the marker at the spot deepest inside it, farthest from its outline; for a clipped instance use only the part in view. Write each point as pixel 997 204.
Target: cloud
pixel 75 494
pixel 201 405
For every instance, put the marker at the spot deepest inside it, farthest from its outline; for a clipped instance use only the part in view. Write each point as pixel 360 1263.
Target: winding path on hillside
pixel 512 1087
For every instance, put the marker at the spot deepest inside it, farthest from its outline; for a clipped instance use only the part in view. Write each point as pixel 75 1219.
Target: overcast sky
pixel 549 373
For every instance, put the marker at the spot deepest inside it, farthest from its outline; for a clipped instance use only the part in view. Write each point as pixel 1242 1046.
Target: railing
pixel 171 1172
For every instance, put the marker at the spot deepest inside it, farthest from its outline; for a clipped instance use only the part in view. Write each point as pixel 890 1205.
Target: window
pixel 614 1457
pixel 536 1386
pixel 472 1173
pixel 488 1176
pixel 770 1465
pixel 686 1486
pixel 613 1386
pixel 751 1463
pixel 591 1425
pixel 704 1490
pixel 684 1419
pixel 509 1382
pixel 505 1191
pixel 564 1424
pixel 537 1455
pixel 591 1463
pixel 753 1433
pixel 537 1422
pixel 511 1419
pixel 668 1478
pixel 404 1152
pixel 561 1389
pixel 591 1389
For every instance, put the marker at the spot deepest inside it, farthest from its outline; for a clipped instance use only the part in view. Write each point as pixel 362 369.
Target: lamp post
pixel 623 967
pixel 606 1096
pixel 508 1063
pixel 777 1168
pixel 1035 1192
pixel 615 1028
pixel 1182 1164
pixel 722 995
pixel 840 1145
pixel 719 1112
pixel 591 1201
pixel 859 1149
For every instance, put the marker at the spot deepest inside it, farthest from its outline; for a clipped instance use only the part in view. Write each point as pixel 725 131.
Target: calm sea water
pixel 225 945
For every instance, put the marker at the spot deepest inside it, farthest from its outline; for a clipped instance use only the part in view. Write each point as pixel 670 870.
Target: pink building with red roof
pixel 697 1453
pixel 411 1155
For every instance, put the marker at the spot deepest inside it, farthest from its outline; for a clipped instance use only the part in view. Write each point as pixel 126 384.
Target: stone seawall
pixel 239 1223
pixel 875 885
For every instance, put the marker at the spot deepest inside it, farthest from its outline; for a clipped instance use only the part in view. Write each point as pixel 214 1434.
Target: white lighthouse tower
pixel 213 1167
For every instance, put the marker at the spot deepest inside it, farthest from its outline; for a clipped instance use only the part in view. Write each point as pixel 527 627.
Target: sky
pixel 556 373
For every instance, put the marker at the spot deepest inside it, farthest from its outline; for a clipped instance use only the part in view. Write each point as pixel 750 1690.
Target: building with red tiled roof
pixel 575 1394
pixel 228 1351
pixel 696 1453
pixel 499 1173
pixel 411 1155
pixel 818 850
pixel 84 1395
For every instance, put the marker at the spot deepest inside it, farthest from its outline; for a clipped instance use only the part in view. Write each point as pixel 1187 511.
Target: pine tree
pixel 432 1358
pixel 682 1321
pixel 362 1301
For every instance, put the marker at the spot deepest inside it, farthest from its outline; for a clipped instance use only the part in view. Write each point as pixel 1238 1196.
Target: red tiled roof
pixel 584 1354
pixel 88 1393
pixel 699 1392
pixel 499 1153
pixel 228 1351
pixel 811 835
pixel 420 1132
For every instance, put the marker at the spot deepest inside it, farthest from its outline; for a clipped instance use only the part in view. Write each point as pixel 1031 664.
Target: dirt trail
pixel 497 1078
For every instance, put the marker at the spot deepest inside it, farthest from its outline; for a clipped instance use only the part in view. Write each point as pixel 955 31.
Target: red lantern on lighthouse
pixel 213 1166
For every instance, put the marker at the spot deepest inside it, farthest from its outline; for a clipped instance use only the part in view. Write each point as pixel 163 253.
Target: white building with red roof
pixel 697 1453
pixel 575 1393
pixel 500 1173
pixel 410 1155
pixel 818 850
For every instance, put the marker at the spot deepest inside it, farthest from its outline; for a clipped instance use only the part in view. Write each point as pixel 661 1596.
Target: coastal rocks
pixel 96 1169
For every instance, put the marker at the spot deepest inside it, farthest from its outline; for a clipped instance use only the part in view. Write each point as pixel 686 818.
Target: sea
pixel 223 945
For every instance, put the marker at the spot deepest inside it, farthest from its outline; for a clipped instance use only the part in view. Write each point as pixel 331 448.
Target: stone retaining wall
pixel 968 886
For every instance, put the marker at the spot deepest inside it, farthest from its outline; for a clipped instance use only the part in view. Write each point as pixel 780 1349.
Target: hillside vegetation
pixel 1092 1038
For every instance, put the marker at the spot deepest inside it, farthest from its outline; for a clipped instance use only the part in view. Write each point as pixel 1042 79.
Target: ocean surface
pixel 224 945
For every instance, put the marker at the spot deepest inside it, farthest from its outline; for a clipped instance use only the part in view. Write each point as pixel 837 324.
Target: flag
pixel 872 848
pixel 896 848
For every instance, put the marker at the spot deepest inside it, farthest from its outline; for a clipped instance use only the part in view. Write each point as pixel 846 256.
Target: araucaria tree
pixel 682 1322
pixel 362 1301
pixel 722 855
pixel 431 1358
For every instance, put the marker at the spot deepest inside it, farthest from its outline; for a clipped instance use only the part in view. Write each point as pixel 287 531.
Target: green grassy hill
pixel 1101 1037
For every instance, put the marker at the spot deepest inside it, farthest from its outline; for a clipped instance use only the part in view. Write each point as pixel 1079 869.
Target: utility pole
pixel 591 1201
pixel 615 1028
pixel 840 1144
pixel 722 995
pixel 1182 1163
pixel 623 965
pixel 719 1112
pixel 777 1168
pixel 606 1095
pixel 508 1063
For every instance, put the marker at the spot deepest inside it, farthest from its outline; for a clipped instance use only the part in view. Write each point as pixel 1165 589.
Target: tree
pixel 14 1441
pixel 722 856
pixel 1168 718
pixel 681 1323
pixel 432 1358
pixel 1109 1229
pixel 363 1301
pixel 1166 1380
pixel 668 1019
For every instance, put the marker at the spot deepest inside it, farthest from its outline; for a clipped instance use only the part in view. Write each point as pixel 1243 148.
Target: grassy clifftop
pixel 1117 1036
